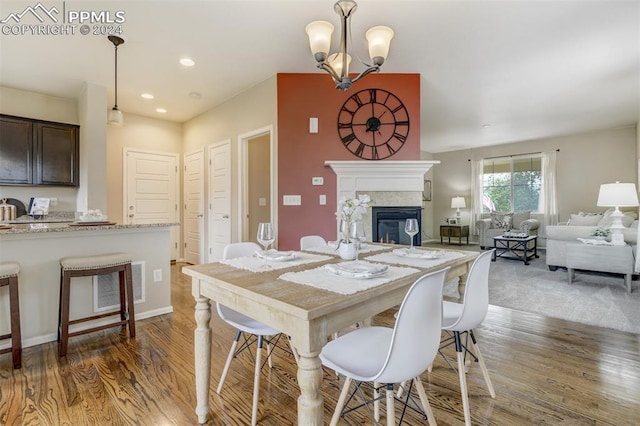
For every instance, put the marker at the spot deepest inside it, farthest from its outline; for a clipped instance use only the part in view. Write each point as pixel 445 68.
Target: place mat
pixel 331 249
pixel 325 280
pixel 412 261
pixel 103 223
pixel 256 264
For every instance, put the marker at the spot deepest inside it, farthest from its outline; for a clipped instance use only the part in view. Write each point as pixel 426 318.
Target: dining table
pixel 306 299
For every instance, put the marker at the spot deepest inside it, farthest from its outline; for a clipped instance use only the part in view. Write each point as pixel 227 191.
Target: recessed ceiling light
pixel 161 110
pixel 187 62
pixel 486 126
pixel 147 96
pixel 195 95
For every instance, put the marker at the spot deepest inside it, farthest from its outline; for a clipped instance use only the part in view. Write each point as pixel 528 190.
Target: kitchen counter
pixel 38 248
pixel 67 226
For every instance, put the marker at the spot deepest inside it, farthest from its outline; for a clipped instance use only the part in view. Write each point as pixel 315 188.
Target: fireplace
pixel 388 224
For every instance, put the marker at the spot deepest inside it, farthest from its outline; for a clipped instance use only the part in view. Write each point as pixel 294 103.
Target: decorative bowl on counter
pixel 92 216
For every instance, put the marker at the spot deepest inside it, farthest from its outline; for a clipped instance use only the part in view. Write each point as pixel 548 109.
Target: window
pixel 511 183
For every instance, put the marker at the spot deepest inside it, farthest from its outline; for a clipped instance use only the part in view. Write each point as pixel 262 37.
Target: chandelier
pixel 337 64
pixel 115 115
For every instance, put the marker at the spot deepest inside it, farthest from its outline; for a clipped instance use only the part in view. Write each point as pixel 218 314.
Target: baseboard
pixel 46 338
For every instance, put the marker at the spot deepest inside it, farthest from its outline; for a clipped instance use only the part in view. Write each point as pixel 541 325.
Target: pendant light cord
pixel 116 79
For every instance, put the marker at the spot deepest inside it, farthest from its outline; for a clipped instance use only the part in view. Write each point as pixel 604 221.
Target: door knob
pixel 131 215
pixel 200 215
pixel 225 216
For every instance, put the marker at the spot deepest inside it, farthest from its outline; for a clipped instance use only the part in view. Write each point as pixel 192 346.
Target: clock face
pixel 373 124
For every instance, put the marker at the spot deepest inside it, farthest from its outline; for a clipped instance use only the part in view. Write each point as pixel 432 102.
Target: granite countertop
pixel 40 227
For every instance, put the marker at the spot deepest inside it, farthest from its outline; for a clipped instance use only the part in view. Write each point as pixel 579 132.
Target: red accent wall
pixel 301 155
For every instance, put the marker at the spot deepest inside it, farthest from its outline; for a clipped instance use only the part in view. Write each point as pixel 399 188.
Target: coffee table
pixel 515 248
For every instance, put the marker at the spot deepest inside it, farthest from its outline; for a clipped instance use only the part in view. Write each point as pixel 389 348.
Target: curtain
pixel 548 202
pixel 476 194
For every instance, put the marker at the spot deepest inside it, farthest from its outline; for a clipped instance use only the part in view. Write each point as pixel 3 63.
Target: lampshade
pixel 618 195
pixel 458 203
pixel 319 33
pixel 115 117
pixel 379 39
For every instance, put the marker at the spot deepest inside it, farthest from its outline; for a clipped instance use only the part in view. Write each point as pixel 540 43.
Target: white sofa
pixel 579 226
pixel 517 222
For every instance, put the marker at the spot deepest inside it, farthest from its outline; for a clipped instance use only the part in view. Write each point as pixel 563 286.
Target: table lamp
pixel 458 203
pixel 617 195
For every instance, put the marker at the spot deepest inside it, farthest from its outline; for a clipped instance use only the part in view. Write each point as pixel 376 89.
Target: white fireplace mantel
pixel 357 176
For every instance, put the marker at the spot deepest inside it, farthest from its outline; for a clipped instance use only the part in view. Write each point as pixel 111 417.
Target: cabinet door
pixel 56 154
pixel 16 152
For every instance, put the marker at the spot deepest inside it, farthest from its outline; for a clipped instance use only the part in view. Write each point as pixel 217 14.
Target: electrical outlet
pixel 323 200
pixel 157 275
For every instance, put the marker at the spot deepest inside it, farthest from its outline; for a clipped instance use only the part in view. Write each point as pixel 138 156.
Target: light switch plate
pixel 313 125
pixel 323 200
pixel 292 200
pixel 317 180
pixel 262 201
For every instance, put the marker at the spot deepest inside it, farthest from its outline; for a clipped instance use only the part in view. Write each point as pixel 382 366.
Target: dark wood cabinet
pixel 456 231
pixel 16 151
pixel 36 152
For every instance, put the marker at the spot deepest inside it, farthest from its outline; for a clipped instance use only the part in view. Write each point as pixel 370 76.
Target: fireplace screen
pixel 388 224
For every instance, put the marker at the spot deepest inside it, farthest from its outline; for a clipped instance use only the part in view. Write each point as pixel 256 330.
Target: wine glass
pixel 411 228
pixel 358 234
pixel 265 238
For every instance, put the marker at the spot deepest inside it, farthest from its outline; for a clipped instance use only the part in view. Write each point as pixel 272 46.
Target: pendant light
pixel 115 115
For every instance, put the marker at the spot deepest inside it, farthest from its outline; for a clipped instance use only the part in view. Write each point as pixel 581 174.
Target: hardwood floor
pixel 545 371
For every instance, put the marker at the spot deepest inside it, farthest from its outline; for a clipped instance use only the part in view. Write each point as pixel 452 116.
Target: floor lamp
pixel 617 195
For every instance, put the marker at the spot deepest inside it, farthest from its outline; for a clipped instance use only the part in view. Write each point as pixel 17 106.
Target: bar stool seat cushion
pixel 79 263
pixel 9 269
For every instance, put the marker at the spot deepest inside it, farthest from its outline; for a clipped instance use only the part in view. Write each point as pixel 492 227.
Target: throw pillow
pixel 585 220
pixel 501 220
pixel 627 219
pixel 518 218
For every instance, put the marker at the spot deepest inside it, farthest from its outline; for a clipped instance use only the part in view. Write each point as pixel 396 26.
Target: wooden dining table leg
pixel 310 402
pixel 202 353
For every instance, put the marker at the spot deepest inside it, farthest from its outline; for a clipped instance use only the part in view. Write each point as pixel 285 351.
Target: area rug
pixel 593 298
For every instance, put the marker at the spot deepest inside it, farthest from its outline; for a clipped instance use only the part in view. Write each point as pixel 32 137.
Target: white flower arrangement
pixel 351 210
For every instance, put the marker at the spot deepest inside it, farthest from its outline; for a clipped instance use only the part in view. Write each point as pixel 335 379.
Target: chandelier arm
pixel 374 68
pixel 343 45
pixel 325 66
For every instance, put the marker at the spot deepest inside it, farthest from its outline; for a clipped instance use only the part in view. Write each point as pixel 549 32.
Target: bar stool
pixel 85 266
pixel 9 277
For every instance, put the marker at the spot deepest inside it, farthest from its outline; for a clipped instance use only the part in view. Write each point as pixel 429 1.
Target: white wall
pixel 583 163
pixel 253 109
pixel 141 133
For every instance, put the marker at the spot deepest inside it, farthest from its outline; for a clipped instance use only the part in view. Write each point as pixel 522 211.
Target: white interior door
pixel 194 207
pixel 151 191
pixel 219 198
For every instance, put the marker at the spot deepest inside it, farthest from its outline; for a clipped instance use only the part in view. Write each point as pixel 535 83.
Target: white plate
pixel 362 270
pixel 277 256
pixel 419 254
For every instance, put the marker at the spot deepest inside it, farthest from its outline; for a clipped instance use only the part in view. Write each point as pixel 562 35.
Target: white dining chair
pixel 244 324
pixel 311 241
pixel 462 318
pixel 384 355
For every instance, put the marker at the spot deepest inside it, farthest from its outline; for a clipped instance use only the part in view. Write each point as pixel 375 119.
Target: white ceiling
pixel 529 69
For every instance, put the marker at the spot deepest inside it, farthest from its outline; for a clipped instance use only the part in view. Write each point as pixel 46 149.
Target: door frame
pixel 243 181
